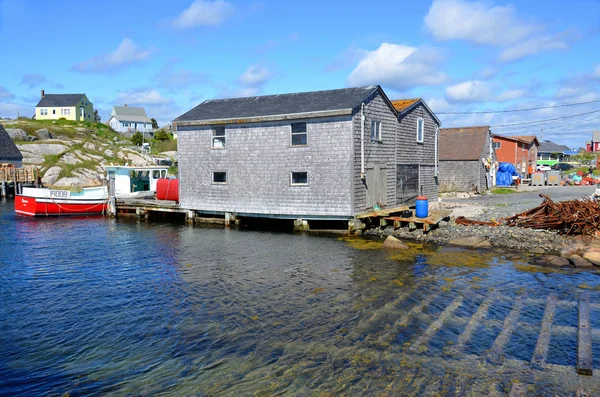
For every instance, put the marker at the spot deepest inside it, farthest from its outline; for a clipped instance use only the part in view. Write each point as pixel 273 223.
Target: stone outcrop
pixel 392 242
pixel 43 134
pixel 17 134
pixel 551 261
pixel 51 176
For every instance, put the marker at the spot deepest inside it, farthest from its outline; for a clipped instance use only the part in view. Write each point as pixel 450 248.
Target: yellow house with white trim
pixel 75 107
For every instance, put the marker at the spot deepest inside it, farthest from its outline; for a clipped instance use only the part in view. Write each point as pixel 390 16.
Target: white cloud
pixel 399 67
pixel 126 53
pixel 255 76
pixel 5 94
pixel 469 91
pixel 480 22
pixel 510 95
pixel 596 72
pixel 142 97
pixel 533 46
pixel 203 13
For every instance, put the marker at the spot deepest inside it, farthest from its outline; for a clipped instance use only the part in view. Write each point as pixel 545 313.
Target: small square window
pixel 496 145
pixel 376 130
pixel 219 177
pixel 218 137
pixel 299 135
pixel 299 178
pixel 420 130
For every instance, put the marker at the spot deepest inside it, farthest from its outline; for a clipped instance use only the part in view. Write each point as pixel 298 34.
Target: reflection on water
pixel 97 306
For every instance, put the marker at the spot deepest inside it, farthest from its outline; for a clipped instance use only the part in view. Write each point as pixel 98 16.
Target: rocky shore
pixel 545 247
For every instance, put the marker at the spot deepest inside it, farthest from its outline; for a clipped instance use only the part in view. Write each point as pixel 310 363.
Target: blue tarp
pixel 505 173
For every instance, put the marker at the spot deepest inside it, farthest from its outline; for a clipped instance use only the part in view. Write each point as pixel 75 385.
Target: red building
pixel 517 150
pixel 594 144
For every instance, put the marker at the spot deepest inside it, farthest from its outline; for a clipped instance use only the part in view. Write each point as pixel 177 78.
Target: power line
pixel 547 127
pixel 545 120
pixel 524 109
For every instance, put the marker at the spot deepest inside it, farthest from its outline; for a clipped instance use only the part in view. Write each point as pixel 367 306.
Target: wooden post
pixel 190 216
pixel 227 219
pixel 3 189
pixel 584 337
pixel 541 349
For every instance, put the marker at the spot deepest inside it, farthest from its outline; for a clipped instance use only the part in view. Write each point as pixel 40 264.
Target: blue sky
pixel 168 56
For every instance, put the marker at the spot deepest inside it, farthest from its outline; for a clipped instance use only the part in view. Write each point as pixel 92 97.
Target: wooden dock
pixel 393 217
pixel 146 207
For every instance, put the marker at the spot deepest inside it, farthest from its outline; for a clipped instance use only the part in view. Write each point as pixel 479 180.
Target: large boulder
pixel 592 256
pixel 51 176
pixel 34 153
pixel 392 242
pixel 43 134
pixel 17 134
pixel 70 158
pixel 551 261
pixel 580 263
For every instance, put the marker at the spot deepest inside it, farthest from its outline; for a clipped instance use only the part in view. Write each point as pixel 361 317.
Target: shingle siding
pixel 409 151
pixel 376 153
pixel 461 176
pixel 258 159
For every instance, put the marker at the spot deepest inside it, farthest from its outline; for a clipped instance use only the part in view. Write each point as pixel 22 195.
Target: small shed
pixel 9 153
pixel 466 158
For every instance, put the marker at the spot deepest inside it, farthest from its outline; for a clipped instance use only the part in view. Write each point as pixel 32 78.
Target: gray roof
pixel 279 105
pixel 130 113
pixel 551 147
pixel 57 100
pixel 8 149
pixel 596 136
pixel 464 143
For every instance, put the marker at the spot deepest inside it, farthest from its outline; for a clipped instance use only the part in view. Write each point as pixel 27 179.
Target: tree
pixel 161 135
pixel 154 123
pixel 96 116
pixel 585 157
pixel 137 138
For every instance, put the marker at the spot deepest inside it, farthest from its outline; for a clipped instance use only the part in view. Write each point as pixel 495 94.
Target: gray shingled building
pixel 462 154
pixel 9 153
pixel 310 155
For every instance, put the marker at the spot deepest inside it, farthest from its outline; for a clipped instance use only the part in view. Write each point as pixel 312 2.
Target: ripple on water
pixel 121 307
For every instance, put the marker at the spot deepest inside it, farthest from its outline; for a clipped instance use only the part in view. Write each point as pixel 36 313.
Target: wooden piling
pixel 540 353
pixel 584 337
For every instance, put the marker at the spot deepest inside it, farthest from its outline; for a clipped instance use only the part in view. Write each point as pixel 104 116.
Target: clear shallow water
pixel 93 306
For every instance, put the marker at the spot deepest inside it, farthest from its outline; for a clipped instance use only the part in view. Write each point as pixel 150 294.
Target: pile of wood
pixel 575 217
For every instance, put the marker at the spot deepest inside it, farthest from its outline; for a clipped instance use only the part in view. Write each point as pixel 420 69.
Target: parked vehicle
pixel 542 167
pixel 562 167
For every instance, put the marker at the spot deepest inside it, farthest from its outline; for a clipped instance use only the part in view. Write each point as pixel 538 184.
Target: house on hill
pixel 466 159
pixel 75 107
pixel 309 155
pixel 550 153
pixel 129 119
pixel 9 153
pixel 517 150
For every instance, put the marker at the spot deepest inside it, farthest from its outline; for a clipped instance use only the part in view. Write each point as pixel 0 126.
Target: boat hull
pixel 36 206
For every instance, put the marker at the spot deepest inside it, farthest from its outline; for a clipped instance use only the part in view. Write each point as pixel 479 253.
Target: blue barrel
pixel 422 207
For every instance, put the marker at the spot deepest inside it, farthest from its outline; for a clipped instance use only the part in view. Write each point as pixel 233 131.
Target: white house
pixel 129 119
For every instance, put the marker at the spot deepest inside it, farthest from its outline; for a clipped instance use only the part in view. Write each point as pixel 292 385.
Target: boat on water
pixel 124 181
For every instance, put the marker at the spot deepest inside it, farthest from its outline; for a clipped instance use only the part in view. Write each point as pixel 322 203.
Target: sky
pixel 465 58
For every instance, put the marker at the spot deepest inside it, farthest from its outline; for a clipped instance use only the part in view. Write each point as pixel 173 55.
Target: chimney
pixel 43 93
pixel 125 105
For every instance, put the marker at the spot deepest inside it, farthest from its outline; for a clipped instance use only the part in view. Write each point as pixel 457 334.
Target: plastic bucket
pixel 422 207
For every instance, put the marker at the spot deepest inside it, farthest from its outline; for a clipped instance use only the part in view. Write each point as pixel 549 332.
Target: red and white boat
pixel 48 202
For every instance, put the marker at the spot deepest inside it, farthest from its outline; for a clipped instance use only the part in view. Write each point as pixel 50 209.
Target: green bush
pixel 137 138
pixel 161 135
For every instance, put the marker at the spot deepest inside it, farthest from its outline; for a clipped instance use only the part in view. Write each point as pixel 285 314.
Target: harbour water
pixel 96 306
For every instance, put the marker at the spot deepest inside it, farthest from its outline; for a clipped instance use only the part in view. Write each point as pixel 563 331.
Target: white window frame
pixel 65 111
pixel 292 183
pixel 43 112
pixel 495 145
pixel 216 136
pixel 420 131
pixel 293 134
pixel 376 128
pixel 219 183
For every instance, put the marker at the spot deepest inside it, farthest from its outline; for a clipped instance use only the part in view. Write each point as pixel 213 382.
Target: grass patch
pixel 164 146
pixel 504 190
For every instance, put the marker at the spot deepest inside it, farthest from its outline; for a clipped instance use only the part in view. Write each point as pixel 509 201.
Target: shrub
pixel 161 135
pixel 137 138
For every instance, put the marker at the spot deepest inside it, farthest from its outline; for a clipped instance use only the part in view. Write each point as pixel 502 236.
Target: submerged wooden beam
pixel 437 324
pixel 584 337
pixel 540 353
pixel 471 325
pixel 510 323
